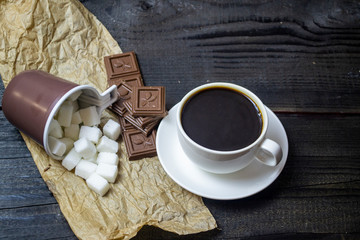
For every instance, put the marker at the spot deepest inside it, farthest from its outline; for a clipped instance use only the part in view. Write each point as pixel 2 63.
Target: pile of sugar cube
pixel 74 134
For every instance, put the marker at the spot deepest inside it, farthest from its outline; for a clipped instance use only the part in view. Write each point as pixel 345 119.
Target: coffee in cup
pixel 222 128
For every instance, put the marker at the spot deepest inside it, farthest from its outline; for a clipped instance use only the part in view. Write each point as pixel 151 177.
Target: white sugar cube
pixel 92 134
pixel 75 105
pixel 76 118
pixel 107 171
pixel 108 157
pixel 69 143
pixel 98 184
pixel 90 116
pixel 112 129
pixel 92 159
pixel 71 159
pixel 65 114
pixel 72 131
pixel 107 145
pixel 75 96
pixel 85 148
pixel 55 129
pixel 85 168
pixel 56 146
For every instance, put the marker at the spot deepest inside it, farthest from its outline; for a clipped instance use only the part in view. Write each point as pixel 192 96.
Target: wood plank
pixel 307 53
pixel 22 183
pixel 12 144
pixel 36 222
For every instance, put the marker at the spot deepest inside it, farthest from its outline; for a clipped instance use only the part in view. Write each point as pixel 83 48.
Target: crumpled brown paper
pixel 61 37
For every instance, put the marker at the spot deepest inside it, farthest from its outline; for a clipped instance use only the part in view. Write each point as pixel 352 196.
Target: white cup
pixel 262 149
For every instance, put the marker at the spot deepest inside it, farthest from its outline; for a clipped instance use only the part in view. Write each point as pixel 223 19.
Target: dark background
pixel 302 58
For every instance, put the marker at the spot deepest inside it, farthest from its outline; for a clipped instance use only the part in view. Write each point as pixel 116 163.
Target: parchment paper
pixel 61 37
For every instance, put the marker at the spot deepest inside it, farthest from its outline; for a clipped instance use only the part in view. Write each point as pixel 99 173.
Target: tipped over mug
pixel 33 97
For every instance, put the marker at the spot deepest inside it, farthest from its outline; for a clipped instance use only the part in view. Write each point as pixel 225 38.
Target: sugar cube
pixel 112 129
pixel 92 134
pixel 71 159
pixel 90 116
pixel 85 168
pixel 75 96
pixel 76 118
pixel 92 159
pixel 107 145
pixel 107 171
pixel 108 157
pixel 55 129
pixel 65 114
pixel 75 105
pixel 72 131
pixel 85 148
pixel 69 143
pixel 98 184
pixel 56 146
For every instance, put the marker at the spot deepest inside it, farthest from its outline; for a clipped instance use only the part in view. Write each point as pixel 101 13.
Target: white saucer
pixel 246 182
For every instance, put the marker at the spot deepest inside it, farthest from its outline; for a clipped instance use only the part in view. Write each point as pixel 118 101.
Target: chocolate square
pixel 148 101
pixel 138 145
pixel 121 65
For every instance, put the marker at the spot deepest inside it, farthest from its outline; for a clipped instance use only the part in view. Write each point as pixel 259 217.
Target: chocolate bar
pixel 139 146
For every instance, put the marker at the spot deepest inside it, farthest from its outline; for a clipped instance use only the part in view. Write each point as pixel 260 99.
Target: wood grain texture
pixel 307 51
pixel 302 58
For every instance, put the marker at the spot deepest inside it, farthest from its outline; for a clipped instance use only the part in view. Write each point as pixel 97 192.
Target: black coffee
pixel 221 119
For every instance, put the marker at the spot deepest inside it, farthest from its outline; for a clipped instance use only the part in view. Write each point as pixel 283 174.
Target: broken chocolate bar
pixel 139 146
pixel 140 112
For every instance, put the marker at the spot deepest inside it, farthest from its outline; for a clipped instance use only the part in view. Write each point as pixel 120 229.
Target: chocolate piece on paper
pixel 124 64
pixel 139 146
pixel 132 80
pixel 148 101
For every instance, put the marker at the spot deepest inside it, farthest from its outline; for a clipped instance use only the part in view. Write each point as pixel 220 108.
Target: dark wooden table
pixel 302 58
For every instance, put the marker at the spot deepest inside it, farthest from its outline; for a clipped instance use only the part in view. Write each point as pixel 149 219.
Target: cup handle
pixel 269 153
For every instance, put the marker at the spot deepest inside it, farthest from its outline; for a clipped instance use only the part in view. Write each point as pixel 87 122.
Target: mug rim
pixel 233 87
pixel 56 107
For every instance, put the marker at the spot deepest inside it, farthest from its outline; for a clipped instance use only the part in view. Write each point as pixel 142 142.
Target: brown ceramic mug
pixel 33 97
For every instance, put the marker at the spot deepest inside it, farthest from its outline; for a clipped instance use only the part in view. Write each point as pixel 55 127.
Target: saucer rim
pixel 276 171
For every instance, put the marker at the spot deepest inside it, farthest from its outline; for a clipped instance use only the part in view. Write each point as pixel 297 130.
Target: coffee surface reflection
pixel 221 119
